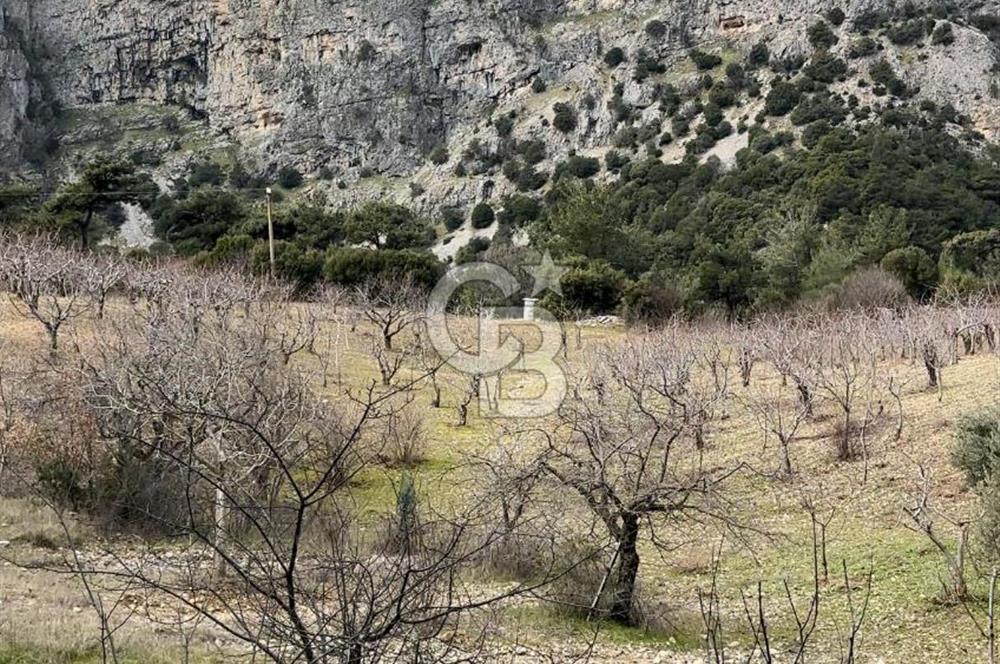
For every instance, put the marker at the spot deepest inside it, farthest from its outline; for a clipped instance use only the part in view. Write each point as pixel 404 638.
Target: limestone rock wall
pixel 373 83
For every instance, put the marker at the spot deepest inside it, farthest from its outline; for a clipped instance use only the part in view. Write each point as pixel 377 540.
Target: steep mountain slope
pixel 355 89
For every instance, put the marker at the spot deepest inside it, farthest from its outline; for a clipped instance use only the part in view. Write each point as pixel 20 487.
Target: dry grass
pixel 47 614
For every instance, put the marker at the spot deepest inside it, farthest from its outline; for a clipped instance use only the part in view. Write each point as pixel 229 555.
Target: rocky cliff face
pixel 375 84
pixel 14 88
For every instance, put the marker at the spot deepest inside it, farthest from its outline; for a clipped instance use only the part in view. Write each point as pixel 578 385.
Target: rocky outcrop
pixel 14 89
pixel 375 84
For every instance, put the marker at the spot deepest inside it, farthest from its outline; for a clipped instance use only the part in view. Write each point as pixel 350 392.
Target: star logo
pixel 547 276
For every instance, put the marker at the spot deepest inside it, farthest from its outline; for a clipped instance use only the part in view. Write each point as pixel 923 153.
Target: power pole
pixel 270 234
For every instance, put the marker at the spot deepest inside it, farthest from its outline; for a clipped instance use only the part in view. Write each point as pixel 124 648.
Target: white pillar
pixel 529 308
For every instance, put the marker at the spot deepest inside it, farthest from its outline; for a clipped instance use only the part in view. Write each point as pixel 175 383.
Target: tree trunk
pixel 628 571
pixel 84 229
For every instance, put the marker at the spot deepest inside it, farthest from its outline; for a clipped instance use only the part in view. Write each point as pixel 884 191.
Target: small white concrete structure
pixel 529 308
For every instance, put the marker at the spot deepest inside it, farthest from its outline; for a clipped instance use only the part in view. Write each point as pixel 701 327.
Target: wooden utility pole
pixel 270 233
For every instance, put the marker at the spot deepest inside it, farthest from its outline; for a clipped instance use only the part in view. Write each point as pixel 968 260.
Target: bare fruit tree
pixel 392 307
pixel 625 443
pixel 254 472
pixel 44 282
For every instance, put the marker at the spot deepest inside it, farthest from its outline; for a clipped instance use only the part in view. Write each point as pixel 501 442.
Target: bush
pixel 582 167
pixel 943 35
pixel 976 254
pixel 977 446
pixel 656 29
pixel 594 287
pixel 538 85
pixel 759 55
pixel 914 268
pixel 862 47
pixel 870 288
pixel 519 210
pixel 647 65
pixel 713 114
pixel 353 266
pixel 614 56
pixel 439 155
pixel 293 264
pixel 289 177
pixel 907 33
pixel 532 151
pixel 704 61
pixel 504 125
pixel 819 107
pixel 652 300
pixel 482 216
pixel 821 36
pixel 565 118
pixel 782 98
pixel 529 179
pixel 836 16
pixel 825 67
pixel 205 174
pixel 615 161
pixel 883 74
pixel 471 251
pixel 452 217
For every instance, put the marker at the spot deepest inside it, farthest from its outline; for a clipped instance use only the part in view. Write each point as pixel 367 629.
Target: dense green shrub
pixel 197 222
pixel 292 263
pixel 656 29
pixel 862 47
pixel 532 151
pixel 914 268
pixel 504 125
pixel 614 56
pixel 836 16
pixel 977 446
pixel 482 216
pixel 519 210
pixel 976 254
pixel 782 98
pixel 825 67
pixel 289 177
pixel 759 55
pixel 821 36
pixel 883 74
pixel 564 118
pixel 819 107
pixel 647 65
pixel 870 20
pixel 472 251
pixel 530 179
pixel 615 161
pixel 353 266
pixel 907 33
pixel 704 61
pixel 652 300
pixel 580 167
pixel 205 174
pixel 452 217
pixel 593 287
pixel 387 226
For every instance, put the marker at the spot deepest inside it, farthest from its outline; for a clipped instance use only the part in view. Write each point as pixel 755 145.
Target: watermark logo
pixel 514 359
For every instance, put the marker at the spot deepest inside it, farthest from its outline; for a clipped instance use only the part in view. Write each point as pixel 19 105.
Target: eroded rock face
pixel 14 89
pixel 347 84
